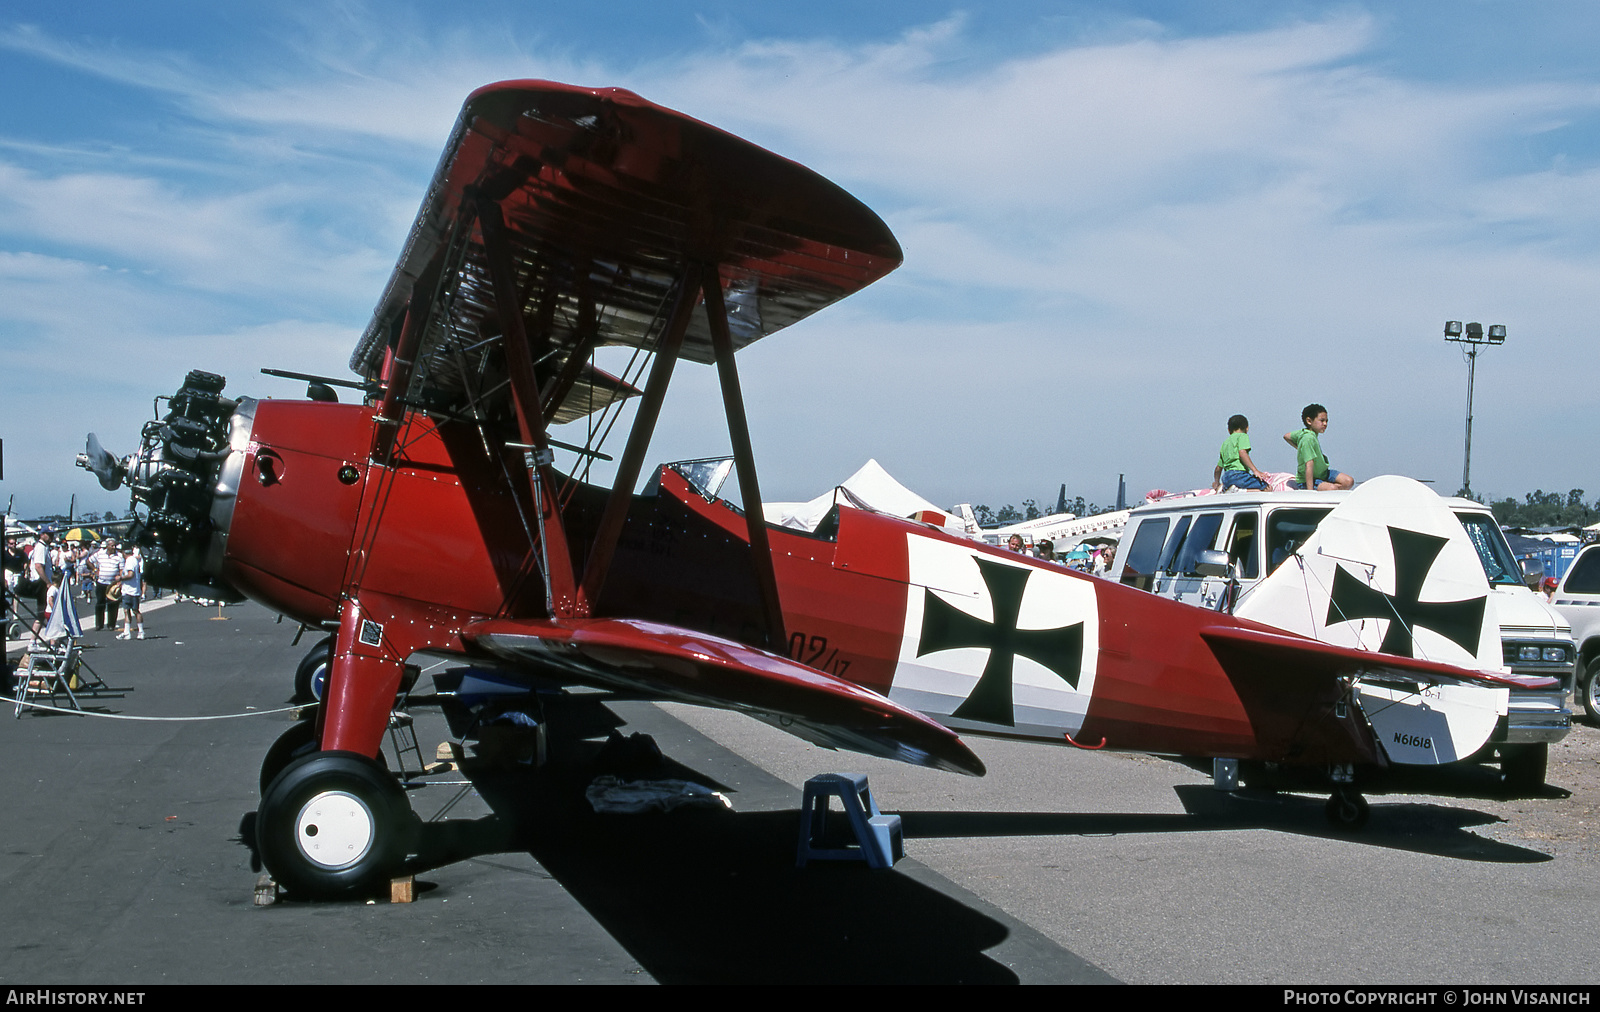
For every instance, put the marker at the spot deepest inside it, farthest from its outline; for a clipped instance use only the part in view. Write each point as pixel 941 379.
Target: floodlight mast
pixel 1473 340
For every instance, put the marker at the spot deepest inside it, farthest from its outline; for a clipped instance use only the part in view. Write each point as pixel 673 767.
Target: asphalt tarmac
pixel 128 859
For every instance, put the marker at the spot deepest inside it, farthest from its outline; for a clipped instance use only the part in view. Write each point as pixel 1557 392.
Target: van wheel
pixel 1589 691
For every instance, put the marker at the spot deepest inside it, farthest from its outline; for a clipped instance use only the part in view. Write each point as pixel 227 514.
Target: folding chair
pixel 52 669
pixel 54 660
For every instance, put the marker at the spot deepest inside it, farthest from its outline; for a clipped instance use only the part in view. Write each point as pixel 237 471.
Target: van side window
pixel 1200 538
pixel 1585 575
pixel 1287 530
pixel 1173 543
pixel 1143 553
pixel 1242 545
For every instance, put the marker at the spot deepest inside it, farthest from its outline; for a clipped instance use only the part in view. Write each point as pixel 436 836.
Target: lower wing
pixel 668 662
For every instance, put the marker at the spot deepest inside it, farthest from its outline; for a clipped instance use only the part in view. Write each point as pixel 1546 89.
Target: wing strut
pixel 644 424
pixel 397 374
pixel 588 330
pixel 559 583
pixel 743 457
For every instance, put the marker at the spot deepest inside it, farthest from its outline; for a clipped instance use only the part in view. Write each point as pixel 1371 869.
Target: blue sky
pixel 1123 222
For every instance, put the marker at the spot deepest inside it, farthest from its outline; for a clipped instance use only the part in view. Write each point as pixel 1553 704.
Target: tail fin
pixel 968 519
pixel 1391 571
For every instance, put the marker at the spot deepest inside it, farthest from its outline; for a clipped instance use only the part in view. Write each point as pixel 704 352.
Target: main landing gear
pixel 334 824
pixel 312 674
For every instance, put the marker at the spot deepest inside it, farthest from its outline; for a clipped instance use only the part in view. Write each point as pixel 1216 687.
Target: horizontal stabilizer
pixel 1299 655
pixel 1422 712
pixel 667 662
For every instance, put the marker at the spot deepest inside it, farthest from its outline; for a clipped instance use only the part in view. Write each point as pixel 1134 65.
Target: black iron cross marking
pixel 1461 622
pixel 945 627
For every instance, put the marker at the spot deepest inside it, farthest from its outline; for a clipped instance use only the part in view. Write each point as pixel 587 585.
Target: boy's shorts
pixel 1331 477
pixel 1243 479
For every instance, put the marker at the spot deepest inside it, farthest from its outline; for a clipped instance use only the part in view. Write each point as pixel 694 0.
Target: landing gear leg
pixel 334 824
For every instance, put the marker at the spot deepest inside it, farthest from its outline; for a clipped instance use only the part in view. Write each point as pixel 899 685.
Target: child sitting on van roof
pixel 1234 466
pixel 1311 468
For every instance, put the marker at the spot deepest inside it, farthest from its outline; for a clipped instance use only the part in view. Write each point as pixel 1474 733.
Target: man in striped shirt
pixel 107 566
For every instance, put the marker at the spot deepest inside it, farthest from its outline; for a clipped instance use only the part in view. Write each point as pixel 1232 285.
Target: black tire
pixel 299 740
pixel 332 825
pixel 312 673
pixel 1589 691
pixel 1522 768
pixel 1347 811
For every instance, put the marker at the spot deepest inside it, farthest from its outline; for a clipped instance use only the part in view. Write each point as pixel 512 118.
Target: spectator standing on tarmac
pixel 132 591
pixel 107 564
pixel 42 576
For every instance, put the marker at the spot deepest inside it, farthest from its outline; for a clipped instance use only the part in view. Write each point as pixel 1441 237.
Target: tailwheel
pixel 1523 768
pixel 1347 810
pixel 333 824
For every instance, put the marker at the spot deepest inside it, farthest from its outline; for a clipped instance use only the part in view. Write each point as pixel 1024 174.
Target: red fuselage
pixel 443 539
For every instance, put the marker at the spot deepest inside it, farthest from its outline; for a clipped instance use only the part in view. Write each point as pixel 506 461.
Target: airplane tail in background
pixel 1391 571
pixel 968 519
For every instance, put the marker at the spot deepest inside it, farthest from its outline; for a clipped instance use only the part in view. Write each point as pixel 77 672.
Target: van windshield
pixel 1499 565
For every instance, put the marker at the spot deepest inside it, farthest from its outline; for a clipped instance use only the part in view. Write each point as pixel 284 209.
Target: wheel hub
pixel 334 830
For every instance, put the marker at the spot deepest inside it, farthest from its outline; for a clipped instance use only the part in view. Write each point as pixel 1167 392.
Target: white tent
pixel 870 488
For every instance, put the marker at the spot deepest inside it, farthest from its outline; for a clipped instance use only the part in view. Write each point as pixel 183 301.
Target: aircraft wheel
pixel 1347 810
pixel 333 824
pixel 1589 691
pixel 312 674
pixel 299 740
pixel 1522 768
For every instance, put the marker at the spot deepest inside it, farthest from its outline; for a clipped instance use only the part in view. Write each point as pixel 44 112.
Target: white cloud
pixel 1111 246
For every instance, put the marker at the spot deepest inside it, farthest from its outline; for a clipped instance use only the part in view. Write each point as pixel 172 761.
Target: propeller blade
pixel 102 463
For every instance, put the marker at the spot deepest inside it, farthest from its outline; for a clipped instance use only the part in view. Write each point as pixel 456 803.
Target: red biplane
pixel 433 516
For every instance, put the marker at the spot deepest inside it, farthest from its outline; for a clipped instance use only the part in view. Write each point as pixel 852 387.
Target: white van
pixel 1161 551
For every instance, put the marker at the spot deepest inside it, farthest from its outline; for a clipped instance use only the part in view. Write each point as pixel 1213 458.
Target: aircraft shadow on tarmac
pixel 1441 830
pixel 704 895
pixel 714 896
pixel 709 895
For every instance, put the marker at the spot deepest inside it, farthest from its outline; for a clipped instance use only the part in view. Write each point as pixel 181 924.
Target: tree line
pixel 1546 509
pixel 1009 514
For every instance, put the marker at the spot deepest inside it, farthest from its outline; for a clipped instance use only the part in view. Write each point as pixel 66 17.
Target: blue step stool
pixel 878 837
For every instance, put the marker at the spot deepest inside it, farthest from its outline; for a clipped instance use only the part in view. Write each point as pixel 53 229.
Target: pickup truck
pixel 1578 600
pixel 1161 548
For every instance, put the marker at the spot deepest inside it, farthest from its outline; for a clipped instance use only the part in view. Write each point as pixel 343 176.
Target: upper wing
pixel 668 662
pixel 607 199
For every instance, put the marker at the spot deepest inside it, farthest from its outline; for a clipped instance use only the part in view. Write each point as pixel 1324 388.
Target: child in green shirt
pixel 1234 466
pixel 1311 467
